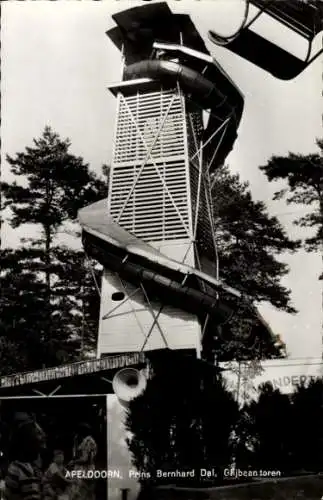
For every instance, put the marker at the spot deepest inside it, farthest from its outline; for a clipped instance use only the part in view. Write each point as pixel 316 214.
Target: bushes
pixel 285 432
pixel 186 420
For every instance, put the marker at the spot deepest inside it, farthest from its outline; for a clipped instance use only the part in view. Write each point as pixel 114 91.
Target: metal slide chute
pixel 305 18
pixel 138 262
pixel 171 281
pixel 211 91
pixel 144 32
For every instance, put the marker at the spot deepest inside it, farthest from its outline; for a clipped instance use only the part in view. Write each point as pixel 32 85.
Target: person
pixel 55 483
pixel 85 451
pixel 23 480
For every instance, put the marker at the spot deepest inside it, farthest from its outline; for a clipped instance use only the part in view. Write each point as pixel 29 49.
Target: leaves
pixel 181 406
pixel 48 303
pixel 284 432
pixel 249 241
pixel 191 421
pixel 304 177
pixel 58 184
pixel 250 244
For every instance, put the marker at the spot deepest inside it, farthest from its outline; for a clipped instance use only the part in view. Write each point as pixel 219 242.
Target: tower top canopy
pixel 139 27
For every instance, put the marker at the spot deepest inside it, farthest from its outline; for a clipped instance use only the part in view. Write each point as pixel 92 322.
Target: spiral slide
pixel 138 262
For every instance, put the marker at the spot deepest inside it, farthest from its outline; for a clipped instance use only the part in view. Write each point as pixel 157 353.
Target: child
pixel 55 482
pixel 23 478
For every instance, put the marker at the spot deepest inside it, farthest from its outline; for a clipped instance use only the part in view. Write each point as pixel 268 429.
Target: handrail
pixel 268 55
pixel 223 40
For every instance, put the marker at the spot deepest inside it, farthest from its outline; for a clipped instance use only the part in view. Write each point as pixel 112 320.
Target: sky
pixel 57 63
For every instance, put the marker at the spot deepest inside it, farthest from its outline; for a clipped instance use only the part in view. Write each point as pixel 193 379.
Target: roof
pixel 92 377
pixel 139 27
pixel 80 378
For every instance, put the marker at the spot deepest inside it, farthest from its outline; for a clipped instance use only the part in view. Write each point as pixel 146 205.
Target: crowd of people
pixel 27 476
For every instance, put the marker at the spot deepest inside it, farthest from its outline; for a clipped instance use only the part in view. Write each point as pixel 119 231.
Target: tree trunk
pixel 47 261
pixel 47 229
pixel 48 237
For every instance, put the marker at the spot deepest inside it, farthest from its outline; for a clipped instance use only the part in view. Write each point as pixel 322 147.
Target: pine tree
pixel 266 432
pixel 303 175
pixel 307 414
pixel 249 242
pixel 22 313
pixel 53 185
pixel 188 420
pixel 282 432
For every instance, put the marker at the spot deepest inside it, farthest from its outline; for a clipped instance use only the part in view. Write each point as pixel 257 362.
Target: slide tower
pixel 177 114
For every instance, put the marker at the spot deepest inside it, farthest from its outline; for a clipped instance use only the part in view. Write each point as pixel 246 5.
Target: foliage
pixel 267 426
pixel 178 431
pixel 48 302
pixel 58 184
pixel 307 445
pixel 191 421
pixel 283 432
pixel 250 243
pixel 304 177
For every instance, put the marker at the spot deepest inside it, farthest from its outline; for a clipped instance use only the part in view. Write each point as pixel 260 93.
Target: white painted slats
pixel 149 189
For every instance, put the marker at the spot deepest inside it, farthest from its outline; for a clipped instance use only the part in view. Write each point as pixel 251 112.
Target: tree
pixel 304 177
pixel 266 432
pixel 188 421
pixel 282 432
pixel 54 185
pixel 307 415
pixel 183 426
pixel 21 309
pixel 250 242
pixel 29 342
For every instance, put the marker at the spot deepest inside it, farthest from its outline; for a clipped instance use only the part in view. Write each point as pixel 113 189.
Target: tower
pixel 177 114
pixel 150 196
pixel 164 151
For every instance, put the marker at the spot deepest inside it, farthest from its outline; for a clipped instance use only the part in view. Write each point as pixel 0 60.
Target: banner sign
pixel 244 379
pixel 72 370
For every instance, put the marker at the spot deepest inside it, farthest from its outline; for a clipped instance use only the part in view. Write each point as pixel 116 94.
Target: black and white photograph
pixel 161 250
